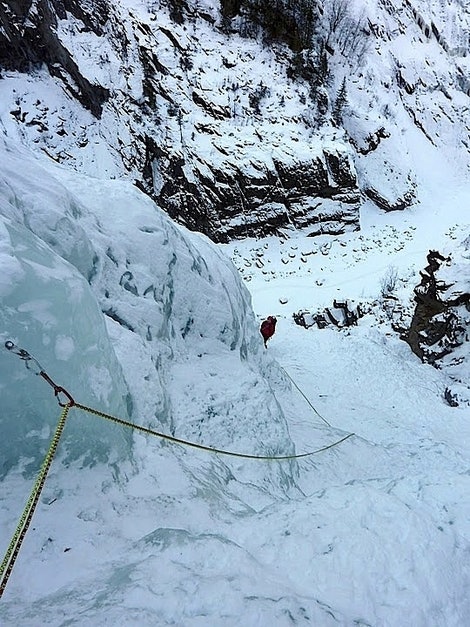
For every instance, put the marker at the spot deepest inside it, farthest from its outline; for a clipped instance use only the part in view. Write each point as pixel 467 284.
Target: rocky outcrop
pixel 397 204
pixel 437 326
pixel 439 330
pixel 29 38
pixel 342 314
pixel 228 200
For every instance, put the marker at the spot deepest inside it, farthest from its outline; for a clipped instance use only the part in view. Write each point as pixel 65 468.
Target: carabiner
pixel 60 390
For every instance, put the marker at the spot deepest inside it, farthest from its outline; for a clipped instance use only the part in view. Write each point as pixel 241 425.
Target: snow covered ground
pixel 395 498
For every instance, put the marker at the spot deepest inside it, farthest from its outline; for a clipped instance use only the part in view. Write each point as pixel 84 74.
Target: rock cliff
pixel 235 128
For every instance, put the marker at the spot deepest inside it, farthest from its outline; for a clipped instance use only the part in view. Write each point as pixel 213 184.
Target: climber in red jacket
pixel 267 328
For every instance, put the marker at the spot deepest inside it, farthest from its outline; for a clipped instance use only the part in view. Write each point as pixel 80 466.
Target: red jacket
pixel 268 327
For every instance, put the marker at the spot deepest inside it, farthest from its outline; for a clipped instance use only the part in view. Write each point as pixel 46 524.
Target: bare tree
pixel 345 33
pixel 338 12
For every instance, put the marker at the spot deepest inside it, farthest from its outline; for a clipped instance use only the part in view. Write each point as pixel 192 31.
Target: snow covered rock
pixel 315 190
pixel 30 36
pixel 215 127
pixel 440 327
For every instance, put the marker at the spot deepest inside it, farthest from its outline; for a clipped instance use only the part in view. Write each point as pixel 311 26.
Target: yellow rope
pixel 202 446
pixel 14 547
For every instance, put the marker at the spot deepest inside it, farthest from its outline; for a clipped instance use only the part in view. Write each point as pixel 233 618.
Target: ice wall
pixel 48 309
pixel 183 327
pixel 167 302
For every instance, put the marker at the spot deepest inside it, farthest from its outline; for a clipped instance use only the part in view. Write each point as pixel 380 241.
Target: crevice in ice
pixel 114 316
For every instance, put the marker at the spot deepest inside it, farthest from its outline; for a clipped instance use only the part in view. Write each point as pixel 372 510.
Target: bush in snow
pixel 388 282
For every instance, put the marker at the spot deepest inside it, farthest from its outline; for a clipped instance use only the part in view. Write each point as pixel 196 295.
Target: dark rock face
pixel 398 204
pixel 228 202
pixel 223 191
pixel 28 39
pixel 436 328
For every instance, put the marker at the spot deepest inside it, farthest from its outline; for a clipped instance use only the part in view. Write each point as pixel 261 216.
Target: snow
pixel 140 318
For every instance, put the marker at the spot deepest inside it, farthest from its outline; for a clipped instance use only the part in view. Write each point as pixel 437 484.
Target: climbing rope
pixel 34 365
pixel 66 401
pixel 308 401
pixel 14 547
pixel 202 447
